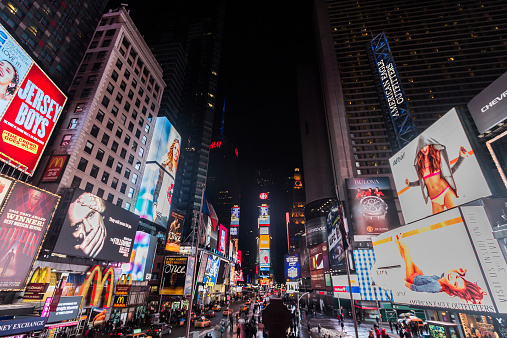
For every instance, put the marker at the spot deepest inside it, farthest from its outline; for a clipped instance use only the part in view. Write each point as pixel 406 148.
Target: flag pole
pixel 191 302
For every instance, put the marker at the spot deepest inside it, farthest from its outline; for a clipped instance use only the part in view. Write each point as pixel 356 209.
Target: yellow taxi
pixel 202 322
pixel 248 302
pixel 216 307
pixel 227 312
pixel 243 308
pixel 137 335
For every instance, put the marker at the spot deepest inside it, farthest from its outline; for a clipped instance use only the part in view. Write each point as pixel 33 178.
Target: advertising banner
pixel 235 216
pixel 222 240
pixel 431 263
pixel 496 209
pixel 223 269
pixel 95 228
pixel 264 241
pixel 67 309
pixel 16 326
pixel 5 186
pixel 363 261
pixel 489 253
pixel 304 259
pixel 264 218
pixel 202 266
pixel 341 287
pixel 188 277
pixel 23 224
pixel 234 232
pixel 488 108
pixel 54 169
pixel 292 267
pixel 175 272
pixel 373 207
pixel 211 273
pixel 141 256
pixel 334 222
pixel 120 301
pixel 174 233
pixel 292 287
pixel 30 105
pixel 265 260
pixel 438 170
pixel 264 230
pixel 155 195
pixel 319 265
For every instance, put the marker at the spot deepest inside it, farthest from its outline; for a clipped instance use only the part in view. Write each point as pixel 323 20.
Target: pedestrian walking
pixel 309 327
pixel 343 329
pixel 238 331
pixel 319 328
pixel 370 334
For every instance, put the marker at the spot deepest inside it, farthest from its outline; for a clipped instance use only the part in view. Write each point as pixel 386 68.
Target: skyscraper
pixel 296 225
pixel 108 125
pixel 445 53
pixel 55 32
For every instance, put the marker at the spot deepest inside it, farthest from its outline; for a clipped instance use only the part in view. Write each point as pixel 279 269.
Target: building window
pixel 110 161
pixel 138 133
pixel 72 123
pixel 101 55
pixel 123 188
pixel 114 110
pixel 96 66
pixel 127 139
pixel 130 94
pixel 127 74
pixel 119 97
pixel 123 153
pixel 100 116
pixel 134 115
pixel 141 152
pixel 119 167
pixel 91 79
pixel 144 139
pixel 123 85
pixel 123 119
pixel 119 64
pixel 127 106
pixel 131 193
pixel 114 146
pixel 138 165
pixel 95 131
pixel 110 124
pixel 100 192
pixel 114 183
pixel 114 75
pixel 105 139
pixel 127 206
pixel 106 43
pixel 134 178
pixel 141 91
pixel 88 147
pixel 89 187
pixel 66 140
pixel 105 177
pixel 95 171
pixel 105 101
pixel 110 88
pixel 100 155
pixel 82 164
pixel 77 81
pixel 131 126
pixel 85 93
pixel 127 173
pixel 144 110
pixel 134 146
pixel 110 197
pixel 134 83
pixel 138 103
pixel 131 159
pixel 76 182
pixel 147 127
pixel 119 132
pixel 119 202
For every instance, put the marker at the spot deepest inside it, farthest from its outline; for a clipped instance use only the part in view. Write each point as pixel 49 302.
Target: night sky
pixel 262 45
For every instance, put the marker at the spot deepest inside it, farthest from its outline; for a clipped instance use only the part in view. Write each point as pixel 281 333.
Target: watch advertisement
pixel 431 263
pixel 373 207
pixel 438 170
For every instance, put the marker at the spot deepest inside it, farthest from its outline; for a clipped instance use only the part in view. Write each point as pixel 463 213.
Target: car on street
pixel 210 313
pixel 137 335
pixel 248 302
pixel 227 312
pixel 243 308
pixel 202 322
pixel 121 331
pixel 157 330
pixel 216 307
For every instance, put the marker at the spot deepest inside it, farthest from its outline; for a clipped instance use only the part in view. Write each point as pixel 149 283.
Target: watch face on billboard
pixel 95 228
pixel 23 224
pixel 373 207
pixel 30 105
pixel 431 263
pixel 155 195
pixel 438 170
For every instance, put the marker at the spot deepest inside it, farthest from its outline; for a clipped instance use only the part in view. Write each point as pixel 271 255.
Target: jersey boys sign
pixel 30 106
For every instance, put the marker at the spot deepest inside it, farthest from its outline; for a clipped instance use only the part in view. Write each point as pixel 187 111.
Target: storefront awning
pixel 366 307
pixel 436 322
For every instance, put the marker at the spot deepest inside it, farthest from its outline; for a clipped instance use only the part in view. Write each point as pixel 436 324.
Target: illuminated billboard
pixel 319 265
pixel 23 223
pixel 202 266
pixel 174 233
pixel 30 105
pixel 235 216
pixel 95 228
pixel 264 218
pixel 222 240
pixel 174 275
pixel 373 207
pixel 431 263
pixel 155 195
pixel 438 170
pixel 264 241
pixel 55 168
pixel 265 260
pixel 292 267
pixel 211 272
pixel 334 222
pixel 141 258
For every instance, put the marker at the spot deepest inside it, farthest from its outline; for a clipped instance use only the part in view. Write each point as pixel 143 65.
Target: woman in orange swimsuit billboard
pixel 435 173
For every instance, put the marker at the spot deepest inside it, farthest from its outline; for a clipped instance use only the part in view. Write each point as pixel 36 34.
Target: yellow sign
pixel 95 277
pixel 264 242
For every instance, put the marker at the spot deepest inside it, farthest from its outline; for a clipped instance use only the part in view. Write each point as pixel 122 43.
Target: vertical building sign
pixel 393 101
pixel 264 249
pixel 234 221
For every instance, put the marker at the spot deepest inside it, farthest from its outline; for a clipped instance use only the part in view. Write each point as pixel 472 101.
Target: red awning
pixel 366 307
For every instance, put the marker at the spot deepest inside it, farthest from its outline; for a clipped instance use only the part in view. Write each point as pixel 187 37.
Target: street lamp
pixel 299 309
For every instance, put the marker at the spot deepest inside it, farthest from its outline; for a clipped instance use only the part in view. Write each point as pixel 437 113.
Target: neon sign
pixel 263 195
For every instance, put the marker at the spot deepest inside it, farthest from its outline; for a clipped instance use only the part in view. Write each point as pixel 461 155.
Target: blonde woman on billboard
pixel 169 163
pixel 9 79
pixel 451 282
pixel 435 174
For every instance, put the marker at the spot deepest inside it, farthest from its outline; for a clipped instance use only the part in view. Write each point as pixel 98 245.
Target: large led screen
pixel 95 228
pixel 265 260
pixel 264 241
pixel 174 233
pixel 211 272
pixel 292 267
pixel 438 170
pixel 174 275
pixel 23 224
pixel 373 207
pixel 30 105
pixel 264 218
pixel 155 195
pixel 235 216
pixel 334 223
pixel 431 263
pixel 141 258
pixel 222 240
